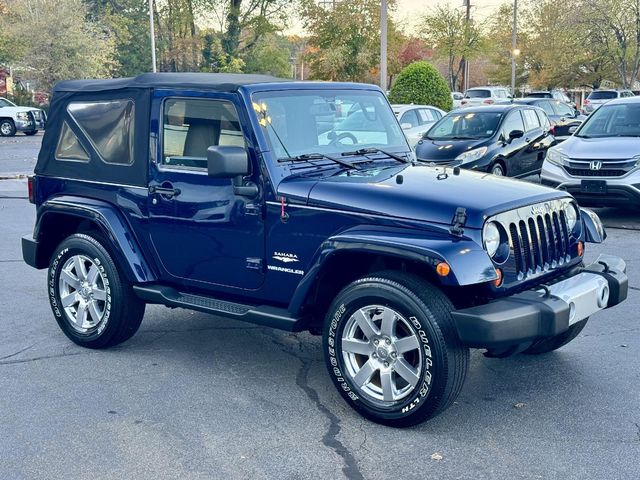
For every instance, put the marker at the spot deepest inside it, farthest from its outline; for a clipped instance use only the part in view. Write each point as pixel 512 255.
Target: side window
pixel 427 116
pixel 512 122
pixel 411 118
pixel 531 121
pixel 69 147
pixel 544 120
pixel 191 126
pixel 109 127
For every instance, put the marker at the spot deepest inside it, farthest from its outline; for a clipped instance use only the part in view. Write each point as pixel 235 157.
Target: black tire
pixel 547 345
pixel 7 128
pixel 498 170
pixel 424 312
pixel 121 310
pixel 29 134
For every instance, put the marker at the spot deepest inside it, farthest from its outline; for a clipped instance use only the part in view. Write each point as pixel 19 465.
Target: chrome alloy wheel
pixel 83 293
pixel 5 128
pixel 382 354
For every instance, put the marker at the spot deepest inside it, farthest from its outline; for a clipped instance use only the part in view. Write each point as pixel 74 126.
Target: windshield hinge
pixel 459 221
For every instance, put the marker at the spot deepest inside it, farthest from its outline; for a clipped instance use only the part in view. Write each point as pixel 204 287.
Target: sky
pixel 408 11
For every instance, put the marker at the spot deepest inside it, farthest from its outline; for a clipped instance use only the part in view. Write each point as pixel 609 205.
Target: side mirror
pixel 573 129
pixel 405 126
pixel 513 134
pixel 227 161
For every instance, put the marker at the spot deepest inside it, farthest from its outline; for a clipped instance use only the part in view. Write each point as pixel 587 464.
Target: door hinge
pixel 254 263
pixel 459 221
pixel 253 209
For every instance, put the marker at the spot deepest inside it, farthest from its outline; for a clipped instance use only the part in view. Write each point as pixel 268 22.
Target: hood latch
pixel 459 221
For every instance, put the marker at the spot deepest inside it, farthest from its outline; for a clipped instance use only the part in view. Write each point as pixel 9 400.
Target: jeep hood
pixel 417 192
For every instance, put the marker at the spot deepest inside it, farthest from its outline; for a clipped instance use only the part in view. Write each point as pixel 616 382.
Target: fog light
pixel 498 281
pixel 443 269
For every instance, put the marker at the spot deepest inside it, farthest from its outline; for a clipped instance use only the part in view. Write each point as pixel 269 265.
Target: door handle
pixel 168 192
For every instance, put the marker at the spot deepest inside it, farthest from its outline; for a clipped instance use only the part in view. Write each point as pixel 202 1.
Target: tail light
pixel 488 101
pixel 552 130
pixel 586 101
pixel 30 189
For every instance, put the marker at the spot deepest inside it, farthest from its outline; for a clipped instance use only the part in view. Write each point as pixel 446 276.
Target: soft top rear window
pixel 478 94
pixel 108 125
pixel 602 95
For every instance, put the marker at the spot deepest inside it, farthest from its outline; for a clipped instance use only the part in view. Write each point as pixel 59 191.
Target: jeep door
pixel 204 233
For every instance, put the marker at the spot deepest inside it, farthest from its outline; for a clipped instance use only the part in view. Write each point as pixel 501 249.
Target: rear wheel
pixel 92 301
pixel 553 343
pixel 392 350
pixel 7 128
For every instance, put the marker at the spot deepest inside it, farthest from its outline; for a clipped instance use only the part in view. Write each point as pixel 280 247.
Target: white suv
pixel 597 98
pixel 477 96
pixel 20 119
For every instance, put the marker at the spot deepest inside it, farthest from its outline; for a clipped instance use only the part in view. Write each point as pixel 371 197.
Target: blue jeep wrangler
pixel 300 206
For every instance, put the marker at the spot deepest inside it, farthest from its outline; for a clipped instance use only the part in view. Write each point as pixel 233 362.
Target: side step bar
pixel 261 315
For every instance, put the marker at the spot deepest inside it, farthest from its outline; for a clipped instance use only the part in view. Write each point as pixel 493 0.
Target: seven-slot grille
pixel 538 237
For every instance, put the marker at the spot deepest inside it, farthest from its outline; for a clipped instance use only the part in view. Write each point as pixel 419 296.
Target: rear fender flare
pixel 115 229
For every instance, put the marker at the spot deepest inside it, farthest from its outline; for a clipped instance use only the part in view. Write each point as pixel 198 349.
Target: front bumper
pixel 545 311
pixel 621 191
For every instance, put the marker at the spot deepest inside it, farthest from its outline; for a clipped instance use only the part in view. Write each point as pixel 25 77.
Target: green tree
pixel 453 38
pixel 343 42
pixel 421 83
pixel 612 29
pixel 65 43
pixel 271 55
pixel 127 22
pixel 499 24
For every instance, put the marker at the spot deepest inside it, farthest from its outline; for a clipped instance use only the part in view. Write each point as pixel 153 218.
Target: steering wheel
pixel 337 140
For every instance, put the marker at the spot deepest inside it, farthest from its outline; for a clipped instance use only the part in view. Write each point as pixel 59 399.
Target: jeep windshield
pixel 298 123
pixel 465 126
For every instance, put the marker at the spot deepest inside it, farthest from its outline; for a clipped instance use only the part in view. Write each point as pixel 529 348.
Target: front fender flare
pixel 110 222
pixel 469 263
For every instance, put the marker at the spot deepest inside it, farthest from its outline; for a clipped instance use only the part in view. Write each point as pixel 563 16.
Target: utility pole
pixel 465 62
pixel 153 36
pixel 514 50
pixel 383 45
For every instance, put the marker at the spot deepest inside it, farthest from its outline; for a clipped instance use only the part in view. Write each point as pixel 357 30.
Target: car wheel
pixel 498 170
pixel 392 349
pixel 28 134
pixel 91 299
pixel 7 128
pixel 553 343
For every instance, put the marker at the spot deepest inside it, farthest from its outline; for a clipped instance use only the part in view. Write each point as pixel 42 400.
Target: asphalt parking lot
pixel 197 397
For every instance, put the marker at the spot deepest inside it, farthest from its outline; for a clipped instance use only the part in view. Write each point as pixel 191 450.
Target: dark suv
pixel 245 197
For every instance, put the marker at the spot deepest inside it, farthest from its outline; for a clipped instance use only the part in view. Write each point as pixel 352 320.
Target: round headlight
pixel 572 215
pixel 491 238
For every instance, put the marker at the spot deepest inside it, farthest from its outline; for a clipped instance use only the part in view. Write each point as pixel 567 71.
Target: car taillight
pixel 30 190
pixel 586 101
pixel 552 130
pixel 488 101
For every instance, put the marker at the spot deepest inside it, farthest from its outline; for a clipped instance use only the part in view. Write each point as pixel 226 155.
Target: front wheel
pixel 91 300
pixel 498 170
pixel 392 349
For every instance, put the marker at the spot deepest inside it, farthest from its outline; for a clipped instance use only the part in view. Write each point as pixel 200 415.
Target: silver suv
pixel 597 98
pixel 600 163
pixel 477 96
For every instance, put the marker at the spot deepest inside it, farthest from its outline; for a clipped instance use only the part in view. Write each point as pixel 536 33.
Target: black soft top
pixel 226 82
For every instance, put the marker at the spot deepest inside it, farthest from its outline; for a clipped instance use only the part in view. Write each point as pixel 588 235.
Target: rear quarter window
pixel 108 126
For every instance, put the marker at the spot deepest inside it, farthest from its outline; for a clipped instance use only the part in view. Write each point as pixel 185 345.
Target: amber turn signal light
pixel 498 281
pixel 580 248
pixel 443 269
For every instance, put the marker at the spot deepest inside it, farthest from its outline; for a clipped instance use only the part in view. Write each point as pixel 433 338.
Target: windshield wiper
pixel 305 157
pixel 367 151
